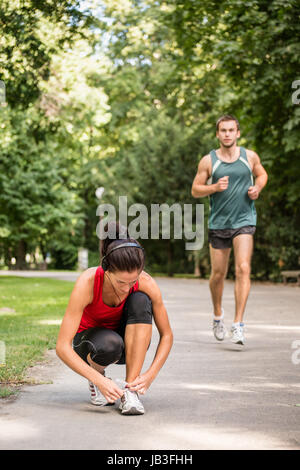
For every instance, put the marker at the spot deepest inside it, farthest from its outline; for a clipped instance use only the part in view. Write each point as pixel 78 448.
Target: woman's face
pixel 124 281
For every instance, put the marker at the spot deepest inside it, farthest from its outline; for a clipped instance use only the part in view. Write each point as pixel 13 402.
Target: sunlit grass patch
pixel 31 311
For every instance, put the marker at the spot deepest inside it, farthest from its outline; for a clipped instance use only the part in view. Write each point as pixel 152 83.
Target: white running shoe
pixel 237 334
pixel 219 328
pixel 96 396
pixel 131 404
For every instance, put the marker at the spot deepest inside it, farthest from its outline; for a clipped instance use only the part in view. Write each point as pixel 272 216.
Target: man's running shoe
pixel 219 328
pixel 237 334
pixel 131 404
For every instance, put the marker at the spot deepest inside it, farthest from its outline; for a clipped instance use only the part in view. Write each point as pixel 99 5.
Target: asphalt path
pixel 209 395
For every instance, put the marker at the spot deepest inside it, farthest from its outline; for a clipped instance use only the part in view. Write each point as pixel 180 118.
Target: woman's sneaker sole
pixel 132 411
pixel 99 404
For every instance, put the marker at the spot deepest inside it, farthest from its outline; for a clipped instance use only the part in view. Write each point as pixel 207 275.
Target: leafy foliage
pixel 124 94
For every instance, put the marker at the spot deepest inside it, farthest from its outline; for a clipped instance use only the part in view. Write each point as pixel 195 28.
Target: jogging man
pixel 226 176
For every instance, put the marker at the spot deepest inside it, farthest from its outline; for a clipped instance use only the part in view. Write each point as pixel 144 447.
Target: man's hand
pixel 222 184
pixel 140 384
pixel 253 192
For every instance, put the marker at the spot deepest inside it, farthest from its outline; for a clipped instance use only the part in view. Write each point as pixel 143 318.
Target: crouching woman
pixel 109 320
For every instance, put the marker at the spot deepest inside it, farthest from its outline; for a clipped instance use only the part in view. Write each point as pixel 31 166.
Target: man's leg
pixel 243 248
pixel 219 265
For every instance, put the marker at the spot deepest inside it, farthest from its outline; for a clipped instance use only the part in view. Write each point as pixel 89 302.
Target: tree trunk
pixel 196 264
pixel 7 257
pixel 170 259
pixel 21 253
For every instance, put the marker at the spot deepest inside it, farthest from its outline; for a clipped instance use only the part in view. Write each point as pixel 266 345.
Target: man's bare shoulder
pixel 251 154
pixel 252 157
pixel 206 159
pixel 205 163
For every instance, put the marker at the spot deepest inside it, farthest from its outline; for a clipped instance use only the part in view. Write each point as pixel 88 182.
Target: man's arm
pixel 200 188
pixel 260 174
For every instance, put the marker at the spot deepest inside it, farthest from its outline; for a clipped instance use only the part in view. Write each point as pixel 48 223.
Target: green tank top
pixel 231 208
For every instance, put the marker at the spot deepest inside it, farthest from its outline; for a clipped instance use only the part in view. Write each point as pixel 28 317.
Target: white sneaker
pixel 219 328
pixel 237 334
pixel 131 404
pixel 97 398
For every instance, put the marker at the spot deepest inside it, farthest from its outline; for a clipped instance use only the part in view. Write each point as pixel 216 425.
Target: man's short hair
pixel 227 117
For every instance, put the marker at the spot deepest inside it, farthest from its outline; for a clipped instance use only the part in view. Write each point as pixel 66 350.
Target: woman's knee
pixel 138 308
pixel 107 347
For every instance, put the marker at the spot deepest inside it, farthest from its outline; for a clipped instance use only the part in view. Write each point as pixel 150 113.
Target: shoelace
pixel 237 331
pixel 132 398
pixel 219 325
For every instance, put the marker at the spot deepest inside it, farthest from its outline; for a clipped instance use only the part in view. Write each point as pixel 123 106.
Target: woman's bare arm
pixel 81 296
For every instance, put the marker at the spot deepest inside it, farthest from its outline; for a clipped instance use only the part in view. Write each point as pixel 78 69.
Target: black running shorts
pixel 222 239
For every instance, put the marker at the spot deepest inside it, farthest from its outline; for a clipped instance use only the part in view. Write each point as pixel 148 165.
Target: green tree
pixel 36 209
pixel 255 46
pixel 25 56
pixel 39 206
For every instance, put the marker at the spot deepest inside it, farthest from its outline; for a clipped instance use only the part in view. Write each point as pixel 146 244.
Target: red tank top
pixel 98 313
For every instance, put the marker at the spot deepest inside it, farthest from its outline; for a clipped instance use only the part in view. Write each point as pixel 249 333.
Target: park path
pixel 209 395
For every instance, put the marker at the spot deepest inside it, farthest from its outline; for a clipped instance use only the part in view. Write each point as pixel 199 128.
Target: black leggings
pixel 106 346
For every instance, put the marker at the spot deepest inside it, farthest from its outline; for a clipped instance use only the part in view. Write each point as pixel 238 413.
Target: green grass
pixel 26 330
